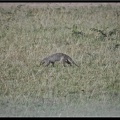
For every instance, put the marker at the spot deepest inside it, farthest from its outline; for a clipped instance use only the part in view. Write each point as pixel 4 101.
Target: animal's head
pixel 42 62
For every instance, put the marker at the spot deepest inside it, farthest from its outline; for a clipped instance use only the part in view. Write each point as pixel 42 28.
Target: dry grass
pixel 91 36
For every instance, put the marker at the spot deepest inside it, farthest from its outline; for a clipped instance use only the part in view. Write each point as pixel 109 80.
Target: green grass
pixel 29 34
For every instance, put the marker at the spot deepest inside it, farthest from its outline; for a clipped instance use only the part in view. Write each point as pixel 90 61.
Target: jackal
pixel 63 58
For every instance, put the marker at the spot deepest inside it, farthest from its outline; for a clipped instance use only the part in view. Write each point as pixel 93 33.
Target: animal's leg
pixel 63 61
pixel 68 62
pixel 52 64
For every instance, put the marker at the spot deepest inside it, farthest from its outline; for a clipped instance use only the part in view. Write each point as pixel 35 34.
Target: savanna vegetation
pixel 90 35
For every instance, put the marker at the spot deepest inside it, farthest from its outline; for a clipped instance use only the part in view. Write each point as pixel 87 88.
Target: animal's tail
pixel 73 62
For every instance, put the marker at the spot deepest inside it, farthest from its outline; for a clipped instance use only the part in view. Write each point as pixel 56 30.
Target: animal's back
pixel 56 56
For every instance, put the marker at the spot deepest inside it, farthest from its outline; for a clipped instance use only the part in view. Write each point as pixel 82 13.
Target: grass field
pixel 90 35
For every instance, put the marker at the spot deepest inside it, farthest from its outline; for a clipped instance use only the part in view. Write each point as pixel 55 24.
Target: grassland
pixel 90 35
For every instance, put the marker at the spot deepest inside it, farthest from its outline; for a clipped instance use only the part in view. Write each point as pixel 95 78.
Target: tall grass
pixel 90 35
